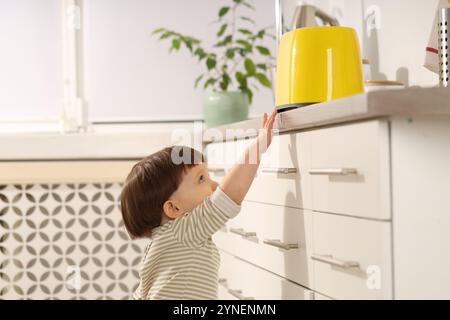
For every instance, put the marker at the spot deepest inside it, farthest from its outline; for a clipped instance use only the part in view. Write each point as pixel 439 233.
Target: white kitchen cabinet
pixel 275 238
pixel 282 177
pixel 352 257
pixel 244 281
pixel 350 169
pixel 421 206
pixel 378 225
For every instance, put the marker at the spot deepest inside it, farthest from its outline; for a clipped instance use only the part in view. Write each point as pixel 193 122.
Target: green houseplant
pixel 236 65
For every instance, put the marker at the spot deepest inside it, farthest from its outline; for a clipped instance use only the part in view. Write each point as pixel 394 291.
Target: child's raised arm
pixel 237 182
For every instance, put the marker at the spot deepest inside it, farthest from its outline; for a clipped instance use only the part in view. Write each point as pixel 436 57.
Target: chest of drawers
pixel 332 211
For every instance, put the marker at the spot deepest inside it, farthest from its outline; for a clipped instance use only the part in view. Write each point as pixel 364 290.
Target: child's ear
pixel 171 210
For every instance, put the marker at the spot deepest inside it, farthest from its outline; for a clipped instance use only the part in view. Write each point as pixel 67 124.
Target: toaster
pixel 317 64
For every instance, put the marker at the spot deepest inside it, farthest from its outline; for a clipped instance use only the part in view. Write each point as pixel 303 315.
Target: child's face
pixel 195 187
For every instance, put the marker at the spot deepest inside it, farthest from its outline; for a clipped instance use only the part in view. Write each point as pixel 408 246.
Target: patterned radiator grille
pixel 65 241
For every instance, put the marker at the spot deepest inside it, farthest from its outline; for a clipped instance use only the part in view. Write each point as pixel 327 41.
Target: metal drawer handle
pixel 243 233
pixel 281 245
pixel 238 294
pixel 329 259
pixel 280 170
pixel 333 172
pixel 223 281
pixel 216 170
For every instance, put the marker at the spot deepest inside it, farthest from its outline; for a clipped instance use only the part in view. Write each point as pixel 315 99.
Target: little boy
pixel 179 207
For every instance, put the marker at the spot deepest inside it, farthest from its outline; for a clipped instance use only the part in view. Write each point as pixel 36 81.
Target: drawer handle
pixel 333 172
pixel 281 245
pixel 329 259
pixel 243 233
pixel 216 170
pixel 280 170
pixel 223 281
pixel 238 294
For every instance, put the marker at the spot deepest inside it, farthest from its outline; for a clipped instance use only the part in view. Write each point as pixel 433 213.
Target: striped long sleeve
pixel 182 262
pixel 194 228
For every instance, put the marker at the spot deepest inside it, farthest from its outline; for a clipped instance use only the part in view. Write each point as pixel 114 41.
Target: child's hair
pixel 150 184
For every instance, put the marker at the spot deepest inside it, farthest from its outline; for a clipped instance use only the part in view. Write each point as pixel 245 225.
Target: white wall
pixel 397 50
pixel 30 59
pixel 129 74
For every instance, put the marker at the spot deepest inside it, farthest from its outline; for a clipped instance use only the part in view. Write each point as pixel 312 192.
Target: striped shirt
pixel 182 262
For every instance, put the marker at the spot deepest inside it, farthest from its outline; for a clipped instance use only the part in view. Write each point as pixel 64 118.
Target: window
pixel 30 60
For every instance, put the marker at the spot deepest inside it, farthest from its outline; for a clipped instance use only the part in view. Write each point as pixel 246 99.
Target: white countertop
pixel 376 104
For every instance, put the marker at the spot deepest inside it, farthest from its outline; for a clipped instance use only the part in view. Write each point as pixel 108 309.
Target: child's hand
pixel 266 132
pixel 238 180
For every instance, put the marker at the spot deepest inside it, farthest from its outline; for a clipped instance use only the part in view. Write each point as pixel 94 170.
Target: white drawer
pixel 226 270
pixel 246 281
pixel 271 228
pixel 272 184
pixel 335 153
pixel 282 177
pixel 225 241
pixel 351 257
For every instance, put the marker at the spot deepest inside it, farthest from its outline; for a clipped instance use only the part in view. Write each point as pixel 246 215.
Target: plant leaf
pixel 193 40
pixel 209 82
pixel 247 45
pixel 249 67
pixel 158 30
pixel 225 82
pixel 188 42
pixel 225 41
pixel 263 50
pixel 199 78
pixel 223 11
pixel 165 35
pixel 245 31
pixel 248 93
pixel 200 53
pixel 230 53
pixel 241 79
pixel 176 44
pixel 222 30
pixel 211 63
pixel 248 5
pixel 261 66
pixel 261 33
pixel 247 19
pixel 263 80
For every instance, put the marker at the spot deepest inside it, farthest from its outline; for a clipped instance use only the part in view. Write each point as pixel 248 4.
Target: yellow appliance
pixel 317 64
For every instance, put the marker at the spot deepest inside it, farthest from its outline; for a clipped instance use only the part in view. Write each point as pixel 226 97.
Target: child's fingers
pixel 264 120
pixel 271 124
pixel 271 120
pixel 267 121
